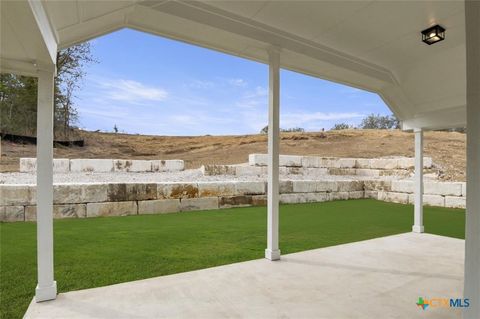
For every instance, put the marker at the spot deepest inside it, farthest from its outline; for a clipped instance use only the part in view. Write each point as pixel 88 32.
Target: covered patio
pixel 371 45
pixel 387 278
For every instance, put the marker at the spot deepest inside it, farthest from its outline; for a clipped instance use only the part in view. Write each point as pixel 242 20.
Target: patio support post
pixel 418 209
pixel 272 252
pixel 47 287
pixel 472 221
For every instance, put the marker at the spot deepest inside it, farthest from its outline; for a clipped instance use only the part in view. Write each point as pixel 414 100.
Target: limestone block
pixel 326 186
pixel 427 162
pixel 434 200
pixel 12 213
pixel 362 163
pixel 371 194
pixel 132 165
pixel 377 185
pixel 295 170
pixel 384 163
pixel 395 172
pixel 111 209
pixel 443 188
pixel 308 171
pixel 310 161
pixel 241 170
pixel 141 191
pixel 402 186
pixel 339 195
pixel 304 198
pixel 174 165
pixel 204 203
pixel 405 162
pixel 259 200
pixel 91 165
pixel 67 193
pixel 28 165
pixel 258 159
pixel 17 195
pixel 304 186
pixel 168 165
pixel 328 162
pixel 394 197
pixel 367 172
pixel 464 189
pixel 349 186
pixel 213 170
pixel 286 186
pixel 158 206
pixel 250 188
pixel 60 165
pixel 342 171
pixel 291 160
pixel 356 195
pixel 345 163
pixel 94 192
pixel 59 211
pixel 235 201
pixel 211 189
pixel 455 202
pixel 177 190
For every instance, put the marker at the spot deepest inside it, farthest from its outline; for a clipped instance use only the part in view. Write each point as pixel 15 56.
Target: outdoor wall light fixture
pixel 433 34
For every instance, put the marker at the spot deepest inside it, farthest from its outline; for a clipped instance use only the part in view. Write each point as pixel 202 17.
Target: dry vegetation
pixel 447 149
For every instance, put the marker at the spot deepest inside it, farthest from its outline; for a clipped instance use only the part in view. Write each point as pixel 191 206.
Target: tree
pixel 382 122
pixel 341 126
pixel 70 66
pixel 18 94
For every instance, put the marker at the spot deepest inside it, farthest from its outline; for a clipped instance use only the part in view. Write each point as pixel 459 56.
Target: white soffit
pixel 373 45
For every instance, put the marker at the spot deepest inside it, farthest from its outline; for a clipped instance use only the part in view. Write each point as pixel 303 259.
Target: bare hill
pixel 446 148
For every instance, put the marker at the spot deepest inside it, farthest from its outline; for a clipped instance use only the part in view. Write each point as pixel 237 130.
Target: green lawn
pixel 95 252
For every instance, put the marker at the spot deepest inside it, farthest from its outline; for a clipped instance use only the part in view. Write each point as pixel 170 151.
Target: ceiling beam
pixel 49 36
pixel 208 15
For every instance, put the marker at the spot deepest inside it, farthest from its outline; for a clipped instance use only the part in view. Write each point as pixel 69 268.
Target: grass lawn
pixel 95 252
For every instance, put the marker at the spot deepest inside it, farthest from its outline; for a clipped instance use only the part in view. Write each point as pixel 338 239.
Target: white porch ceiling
pixel 373 45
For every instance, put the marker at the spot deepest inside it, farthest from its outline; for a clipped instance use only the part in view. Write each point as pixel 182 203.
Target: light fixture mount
pixel 433 34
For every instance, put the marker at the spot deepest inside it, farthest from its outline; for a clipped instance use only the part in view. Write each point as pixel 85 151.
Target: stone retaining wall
pixel 65 165
pixel 18 202
pixel 307 165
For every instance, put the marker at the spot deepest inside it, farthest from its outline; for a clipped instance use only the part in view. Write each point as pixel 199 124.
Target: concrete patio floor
pixel 378 278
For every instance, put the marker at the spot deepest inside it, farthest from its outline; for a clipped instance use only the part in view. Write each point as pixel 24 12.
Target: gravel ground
pixel 192 175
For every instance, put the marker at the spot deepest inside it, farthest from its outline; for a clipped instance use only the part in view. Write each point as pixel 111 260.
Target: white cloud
pixel 201 84
pixel 132 91
pixel 237 82
pixel 309 120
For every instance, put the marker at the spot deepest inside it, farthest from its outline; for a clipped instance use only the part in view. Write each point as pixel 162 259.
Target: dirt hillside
pixel 446 148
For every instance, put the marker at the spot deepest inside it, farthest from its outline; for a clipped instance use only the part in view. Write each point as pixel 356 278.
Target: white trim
pixel 418 194
pixel 472 218
pixel 46 288
pixel 49 35
pixel 272 252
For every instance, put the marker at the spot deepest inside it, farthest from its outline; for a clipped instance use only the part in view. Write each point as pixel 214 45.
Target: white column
pixel 418 215
pixel 272 252
pixel 472 221
pixel 47 287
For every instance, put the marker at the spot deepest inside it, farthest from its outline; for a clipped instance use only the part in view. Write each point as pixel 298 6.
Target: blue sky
pixel 150 85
